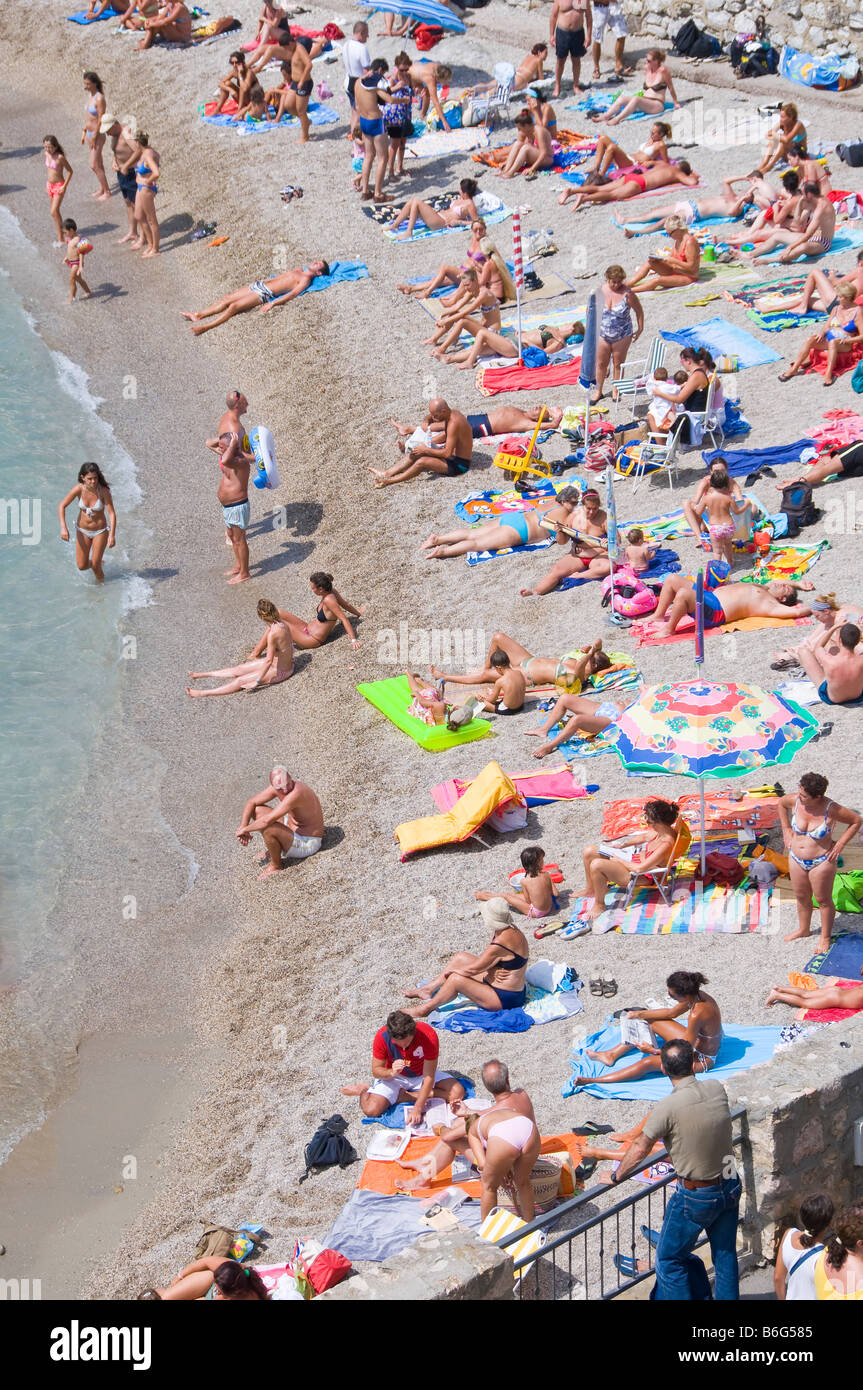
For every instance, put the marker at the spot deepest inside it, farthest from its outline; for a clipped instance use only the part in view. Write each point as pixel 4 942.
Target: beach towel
pixel 723 338
pixel 431 144
pixel 482 1021
pixel 81 16
pixel 843 427
pixel 686 629
pixel 664 562
pixel 603 101
pixel 694 909
pixel 318 115
pixel 584 745
pixel 375 1225
pixel 741 462
pixel 383 216
pixel 778 319
pixel 668 526
pixel 846 238
pixel 844 958
pixel 537 787
pixel 830 1015
pixel 723 815
pixel 380 1177
pixel 494 381
pixel 485 506
pixel 742 1047
pixel 845 362
pixel 341 272
pixel 790 562
pixel 393 696
pixel 395 1116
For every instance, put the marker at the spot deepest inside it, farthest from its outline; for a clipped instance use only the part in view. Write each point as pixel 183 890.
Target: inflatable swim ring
pixel 264 450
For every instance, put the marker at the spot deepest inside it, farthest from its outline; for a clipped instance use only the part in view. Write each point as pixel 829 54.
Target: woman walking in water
pixel 97 521
pixel 271 662
pixel 59 172
pixel 91 135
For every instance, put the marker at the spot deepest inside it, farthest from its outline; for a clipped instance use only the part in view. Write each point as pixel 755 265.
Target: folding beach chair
pixel 707 419
pixel 636 372
pixel 501 1222
pixel 490 100
pixel 517 465
pixel 664 878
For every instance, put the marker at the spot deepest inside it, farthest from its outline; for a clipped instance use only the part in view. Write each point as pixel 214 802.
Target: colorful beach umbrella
pixel 425 10
pixel 709 729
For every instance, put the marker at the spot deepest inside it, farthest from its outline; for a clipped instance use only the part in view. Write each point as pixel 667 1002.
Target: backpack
pixel 220 1240
pixel 328 1146
pixel 799 510
pixel 692 42
pixel 427 35
pixel 851 154
pixel 759 63
pixel 632 598
pixel 723 869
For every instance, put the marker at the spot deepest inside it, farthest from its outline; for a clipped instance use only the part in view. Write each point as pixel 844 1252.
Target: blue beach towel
pixel 421 231
pixel 396 1116
pixel 664 562
pixel 340 272
pixel 603 101
pixel 721 337
pixel 81 16
pixel 739 462
pixel 318 115
pixel 483 1021
pixel 849 238
pixel 742 1048
pixel 844 959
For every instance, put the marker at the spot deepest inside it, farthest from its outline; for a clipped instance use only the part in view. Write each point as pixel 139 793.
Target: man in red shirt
pixel 404 1067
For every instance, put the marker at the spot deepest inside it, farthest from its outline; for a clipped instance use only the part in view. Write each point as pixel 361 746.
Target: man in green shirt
pixel 694 1123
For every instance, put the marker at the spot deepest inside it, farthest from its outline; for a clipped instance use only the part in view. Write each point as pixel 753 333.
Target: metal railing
pixel 578 1263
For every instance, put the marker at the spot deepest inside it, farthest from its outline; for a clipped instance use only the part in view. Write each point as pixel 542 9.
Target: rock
pixel 816 38
pixel 792 8
pixel 814 9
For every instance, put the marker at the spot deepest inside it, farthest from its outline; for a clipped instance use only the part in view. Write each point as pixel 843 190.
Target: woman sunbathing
pixel 532 149
pixel 679 267
pixel 213 1277
pixel 332 609
pixel 651 99
pixel 842 333
pixel 703 1030
pixel 490 344
pixel 512 531
pixel 493 980
pixel 271 661
pixel 586 558
pixel 827 997
pixel 570 671
pixel 631 182
pixel 450 274
pixel 654 150
pixel 461 210
pixel 602 869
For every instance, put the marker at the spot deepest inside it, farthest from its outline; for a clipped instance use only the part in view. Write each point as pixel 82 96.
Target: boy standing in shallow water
pixel 76 249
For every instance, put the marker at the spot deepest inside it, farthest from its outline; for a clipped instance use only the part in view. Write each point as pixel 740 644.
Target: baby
pixel 638 553
pixel 660 412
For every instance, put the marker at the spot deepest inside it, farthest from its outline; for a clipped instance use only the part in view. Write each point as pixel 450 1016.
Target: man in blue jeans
pixel 694 1123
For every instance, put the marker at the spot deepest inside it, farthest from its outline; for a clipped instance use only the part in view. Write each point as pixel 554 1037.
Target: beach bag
pixel 692 42
pixel 534 357
pixel 847 891
pixel 723 870
pixel 328 1269
pixel 329 1146
pixel 216 1241
pixel 427 35
pixel 857 378
pixel 851 154
pixel 798 508
pixel 511 817
pixel 631 598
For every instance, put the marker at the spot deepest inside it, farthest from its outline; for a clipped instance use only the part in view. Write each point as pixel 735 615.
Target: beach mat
pixel 381 214
pixel 742 1047
pixel 392 697
pixel 722 338
pixel 319 114
pixel 845 957
pixel 694 910
pixel 484 506
pixel 495 381
pixel 789 562
pixel 380 1176
pixel 686 629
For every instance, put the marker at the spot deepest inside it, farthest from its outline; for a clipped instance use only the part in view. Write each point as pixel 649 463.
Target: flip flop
pixel 624 72
pixel 627 1265
pixel 651 1236
pixel 586 1167
pixel 590 1127
pixel 596 987
pixel 548 928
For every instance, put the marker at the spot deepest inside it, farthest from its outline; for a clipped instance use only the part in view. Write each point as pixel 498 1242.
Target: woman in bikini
pixel 532 150
pixel 827 997
pixel 91 135
pixel 494 273
pixel 542 111
pixel 616 332
pixel 703 1030
pixel 490 344
pixel 96 527
pixel 843 331
pixel 679 267
pixel 789 133
pixel 461 210
pixel 59 173
pixel 271 662
pixel 651 99
pixel 505 1145
pixel 474 306
pixel 147 168
pixel 631 182
pixel 332 609
pixel 493 980
pixel 807 821
pixel 602 869
pixel 654 151
pixel 586 558
pixel 450 274
pixel 531 68
pixel 509 533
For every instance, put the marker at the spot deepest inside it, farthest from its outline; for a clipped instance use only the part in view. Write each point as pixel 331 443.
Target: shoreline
pixel 324 951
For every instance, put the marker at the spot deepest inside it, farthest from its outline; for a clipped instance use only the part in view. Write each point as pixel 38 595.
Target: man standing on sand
pixel 571 30
pixel 263 294
pixel 357 61
pixel 452 457
pixel 235 463
pixel 293 829
pixel 836 669
pixel 404 1068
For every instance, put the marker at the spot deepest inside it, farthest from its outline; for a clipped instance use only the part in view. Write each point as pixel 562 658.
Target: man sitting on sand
pixel 262 294
pixel 835 664
pixel 404 1067
pixel 294 829
pixel 172 24
pixel 451 457
pixel 728 604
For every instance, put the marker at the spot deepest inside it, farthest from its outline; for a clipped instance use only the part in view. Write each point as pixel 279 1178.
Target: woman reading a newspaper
pixel 703 1030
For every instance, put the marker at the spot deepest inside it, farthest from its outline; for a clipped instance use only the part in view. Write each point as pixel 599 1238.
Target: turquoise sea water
pixel 59 653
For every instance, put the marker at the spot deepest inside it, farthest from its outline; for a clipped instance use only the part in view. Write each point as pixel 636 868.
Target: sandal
pixel 609 986
pixel 787 376
pixel 596 987
pixel 651 1236
pixel 591 1128
pixel 586 1167
pixel 627 1265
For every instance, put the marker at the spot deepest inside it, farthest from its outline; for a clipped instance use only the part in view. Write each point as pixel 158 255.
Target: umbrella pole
pixel 518 314
pixel 702 808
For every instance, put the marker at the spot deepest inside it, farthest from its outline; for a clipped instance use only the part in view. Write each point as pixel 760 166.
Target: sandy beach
pixel 231 1010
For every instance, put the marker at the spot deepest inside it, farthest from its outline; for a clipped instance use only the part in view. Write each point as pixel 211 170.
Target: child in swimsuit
pixel 639 552
pixel 76 249
pixel 533 891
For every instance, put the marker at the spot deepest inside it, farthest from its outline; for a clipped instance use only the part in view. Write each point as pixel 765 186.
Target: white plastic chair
pixel 636 372
pixel 707 419
pixel 492 98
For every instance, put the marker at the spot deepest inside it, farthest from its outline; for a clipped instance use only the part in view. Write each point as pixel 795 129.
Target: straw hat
pixel 106 123
pixel 496 914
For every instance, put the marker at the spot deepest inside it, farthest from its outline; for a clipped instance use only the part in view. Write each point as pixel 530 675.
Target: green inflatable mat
pixel 392 697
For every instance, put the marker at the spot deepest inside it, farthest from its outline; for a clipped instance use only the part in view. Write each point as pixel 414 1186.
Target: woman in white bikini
pixel 271 662
pixel 807 821
pixel 97 521
pixel 654 149
pixel 461 210
pixel 91 135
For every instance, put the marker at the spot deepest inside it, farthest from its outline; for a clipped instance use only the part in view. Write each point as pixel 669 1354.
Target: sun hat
pixel 496 914
pixel 106 123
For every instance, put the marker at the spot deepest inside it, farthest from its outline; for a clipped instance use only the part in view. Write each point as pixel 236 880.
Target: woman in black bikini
pixel 651 98
pixel 692 394
pixel 703 1030
pixel 97 521
pixel 332 609
pixel 493 980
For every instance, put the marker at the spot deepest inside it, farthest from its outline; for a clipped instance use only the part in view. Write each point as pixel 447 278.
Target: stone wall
pixel 816 26
pixel 455 1266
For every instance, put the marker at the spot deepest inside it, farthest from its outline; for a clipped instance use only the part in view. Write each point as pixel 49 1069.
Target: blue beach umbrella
pixel 587 371
pixel 426 10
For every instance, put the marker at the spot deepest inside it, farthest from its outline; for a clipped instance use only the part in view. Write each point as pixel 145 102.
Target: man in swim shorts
pixel 293 829
pixel 845 462
pixel 835 664
pixel 370 93
pixel 404 1067
pixel 509 683
pixel 452 457
pixel 510 419
pixel 260 294
pixel 572 670
pixel 571 30
pixel 235 461
pixel 295 101
pixel 729 604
